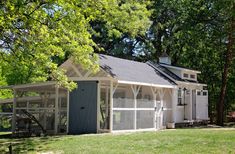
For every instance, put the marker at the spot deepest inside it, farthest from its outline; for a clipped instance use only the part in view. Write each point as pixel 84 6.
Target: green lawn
pixel 4 133
pixel 167 141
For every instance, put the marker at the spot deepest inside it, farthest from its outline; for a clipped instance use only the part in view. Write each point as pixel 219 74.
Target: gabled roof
pixel 133 71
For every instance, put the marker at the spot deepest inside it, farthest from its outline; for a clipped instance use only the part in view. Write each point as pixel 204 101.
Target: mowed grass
pixel 4 133
pixel 167 141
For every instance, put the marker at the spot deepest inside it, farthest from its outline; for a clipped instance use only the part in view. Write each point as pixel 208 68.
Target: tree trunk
pixel 228 61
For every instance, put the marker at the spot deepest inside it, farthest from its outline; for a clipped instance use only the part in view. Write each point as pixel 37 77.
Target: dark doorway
pixel 83 108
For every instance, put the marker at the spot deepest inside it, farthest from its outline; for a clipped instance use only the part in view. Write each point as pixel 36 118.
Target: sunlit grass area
pixel 167 141
pixel 4 133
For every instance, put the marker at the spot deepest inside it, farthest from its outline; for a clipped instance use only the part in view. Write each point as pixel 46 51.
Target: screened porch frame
pixel 44 87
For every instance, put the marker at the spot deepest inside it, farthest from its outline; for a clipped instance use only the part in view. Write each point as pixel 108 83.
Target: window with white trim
pixel 192 76
pixel 185 75
pixel 204 93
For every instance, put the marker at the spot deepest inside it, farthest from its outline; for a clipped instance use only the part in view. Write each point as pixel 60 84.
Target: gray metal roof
pixel 129 70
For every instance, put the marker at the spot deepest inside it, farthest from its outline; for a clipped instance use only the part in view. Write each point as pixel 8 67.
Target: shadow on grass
pixel 24 145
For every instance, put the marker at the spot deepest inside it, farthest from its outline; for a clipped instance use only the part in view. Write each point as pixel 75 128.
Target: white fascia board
pixel 181 69
pixel 65 64
pixel 190 83
pixel 68 63
pixel 28 98
pixel 145 84
pixel 46 83
pixel 91 79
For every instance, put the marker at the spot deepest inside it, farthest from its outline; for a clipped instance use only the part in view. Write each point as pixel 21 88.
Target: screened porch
pixel 133 107
pixel 38 109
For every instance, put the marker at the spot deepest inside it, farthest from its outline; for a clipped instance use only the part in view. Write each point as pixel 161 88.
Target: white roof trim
pixel 29 85
pixel 91 78
pixel 27 98
pixel 145 84
pixel 69 63
pixel 180 68
pixel 191 83
pixel 66 63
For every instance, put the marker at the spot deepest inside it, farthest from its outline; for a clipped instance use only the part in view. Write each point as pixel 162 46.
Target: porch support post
pixel 155 106
pixel 14 113
pixel 106 106
pixel 135 90
pixel 174 98
pixel 67 130
pixel 112 91
pixel 161 93
pixel 56 108
pixel 111 107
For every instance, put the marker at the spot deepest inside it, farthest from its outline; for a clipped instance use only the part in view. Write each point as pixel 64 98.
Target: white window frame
pixel 193 77
pixel 189 75
pixel 186 75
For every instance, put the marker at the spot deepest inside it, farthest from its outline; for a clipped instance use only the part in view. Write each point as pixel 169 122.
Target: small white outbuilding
pixel 124 95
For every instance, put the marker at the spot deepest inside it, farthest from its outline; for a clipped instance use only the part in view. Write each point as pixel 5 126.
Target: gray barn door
pixel 83 108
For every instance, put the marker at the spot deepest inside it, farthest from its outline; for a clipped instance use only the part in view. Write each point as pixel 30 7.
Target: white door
pixel 201 104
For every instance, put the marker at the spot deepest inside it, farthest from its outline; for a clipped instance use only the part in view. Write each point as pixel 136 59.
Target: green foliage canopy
pixel 36 36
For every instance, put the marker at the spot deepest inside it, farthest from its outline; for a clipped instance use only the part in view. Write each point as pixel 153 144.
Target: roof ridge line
pixel 120 58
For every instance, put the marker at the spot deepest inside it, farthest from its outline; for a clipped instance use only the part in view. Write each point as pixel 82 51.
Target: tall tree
pixel 228 11
pixel 36 35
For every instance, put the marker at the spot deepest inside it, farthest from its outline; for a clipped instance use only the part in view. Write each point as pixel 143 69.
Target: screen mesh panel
pixel 143 103
pixel 123 120
pixel 124 113
pixel 123 103
pixel 62 121
pixel 145 119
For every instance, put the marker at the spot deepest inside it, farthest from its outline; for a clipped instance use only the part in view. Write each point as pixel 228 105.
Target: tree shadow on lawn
pixel 24 145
